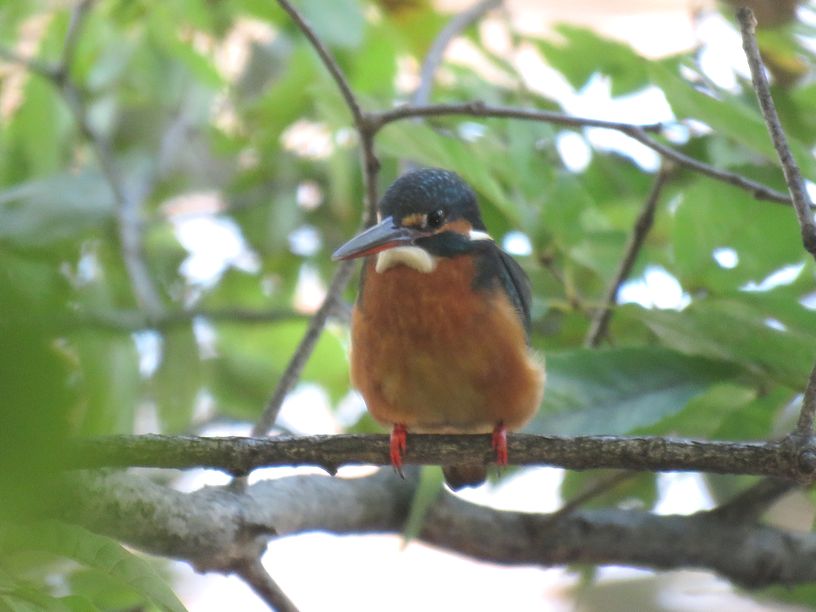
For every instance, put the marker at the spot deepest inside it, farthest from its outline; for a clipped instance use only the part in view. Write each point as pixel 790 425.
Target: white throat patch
pixel 411 256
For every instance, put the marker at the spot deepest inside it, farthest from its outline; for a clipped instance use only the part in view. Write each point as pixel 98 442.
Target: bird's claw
pixel 399 436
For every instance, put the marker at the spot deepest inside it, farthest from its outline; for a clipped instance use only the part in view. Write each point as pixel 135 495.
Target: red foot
pixel 398 444
pixel 499 443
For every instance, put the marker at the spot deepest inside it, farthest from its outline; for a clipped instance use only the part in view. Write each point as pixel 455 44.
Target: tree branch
pixel 793 177
pixel 452 29
pixel 255 575
pixel 790 458
pixel 304 350
pixel 637 132
pixel 218 522
pixel 600 321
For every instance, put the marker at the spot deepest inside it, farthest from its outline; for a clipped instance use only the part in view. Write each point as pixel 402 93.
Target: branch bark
pixel 791 458
pixel 218 522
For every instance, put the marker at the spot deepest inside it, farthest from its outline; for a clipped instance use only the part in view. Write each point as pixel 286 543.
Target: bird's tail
pixel 459 476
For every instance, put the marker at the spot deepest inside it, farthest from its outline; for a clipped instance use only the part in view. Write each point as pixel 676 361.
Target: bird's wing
pixel 516 284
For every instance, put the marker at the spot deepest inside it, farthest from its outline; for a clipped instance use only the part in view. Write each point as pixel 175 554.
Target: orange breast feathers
pixel 434 354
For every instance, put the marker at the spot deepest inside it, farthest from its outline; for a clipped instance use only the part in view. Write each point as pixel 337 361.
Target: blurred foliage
pixel 221 124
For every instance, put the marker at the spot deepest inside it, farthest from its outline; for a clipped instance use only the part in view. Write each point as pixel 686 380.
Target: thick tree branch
pixel 793 177
pixel 218 523
pixel 791 458
pixel 600 320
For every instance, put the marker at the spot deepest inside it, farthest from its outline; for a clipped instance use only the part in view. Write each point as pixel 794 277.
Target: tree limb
pixel 793 177
pixel 790 458
pixel 217 522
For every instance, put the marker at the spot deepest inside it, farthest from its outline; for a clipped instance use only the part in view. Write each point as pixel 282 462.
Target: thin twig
pixel 600 321
pixel 480 109
pixel 807 415
pixel 433 58
pixel 255 575
pixel 328 61
pixel 793 177
pixel 304 350
pixel 637 132
pixel 72 37
pixel 127 208
pixel 371 166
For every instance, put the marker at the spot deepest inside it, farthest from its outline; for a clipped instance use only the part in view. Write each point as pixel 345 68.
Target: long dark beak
pixel 385 235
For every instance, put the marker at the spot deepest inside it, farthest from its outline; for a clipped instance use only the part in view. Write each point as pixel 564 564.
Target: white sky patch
pixel 517 243
pixel 307 410
pixel 309 195
pixel 721 59
pixel 726 257
pixel 811 188
pixel 310 290
pixel 775 324
pixel 214 244
pixel 305 241
pixel 655 289
pixel 308 139
pixel 809 301
pixel 783 276
pixel 471 131
pixel 574 151
pixel 682 493
pixel 148 347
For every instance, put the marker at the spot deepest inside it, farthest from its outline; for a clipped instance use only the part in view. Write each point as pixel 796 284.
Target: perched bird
pixel 440 330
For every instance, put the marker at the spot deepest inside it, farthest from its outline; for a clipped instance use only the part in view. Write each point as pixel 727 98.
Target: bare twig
pixel 637 132
pixel 600 321
pixel 807 414
pixel 480 109
pixel 304 350
pixel 127 208
pixel 328 62
pixel 255 575
pixel 72 37
pixel 793 177
pixel 790 458
pixel 437 51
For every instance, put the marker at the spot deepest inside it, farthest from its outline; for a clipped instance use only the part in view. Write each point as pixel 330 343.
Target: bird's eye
pixel 436 219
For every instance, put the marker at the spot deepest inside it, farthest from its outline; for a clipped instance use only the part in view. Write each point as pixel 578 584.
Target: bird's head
pixel 424 214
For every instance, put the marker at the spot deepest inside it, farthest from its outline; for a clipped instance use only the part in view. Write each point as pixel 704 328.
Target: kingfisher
pixel 440 329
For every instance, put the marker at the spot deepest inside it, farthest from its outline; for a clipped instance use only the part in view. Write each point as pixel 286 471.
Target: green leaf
pixel 178 379
pixel 93 551
pixel 712 215
pixel 584 53
pixel 616 391
pixel 739 332
pixel 428 489
pixel 339 23
pixel 251 361
pixel 727 115
pixel 638 488
pixel 61 207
